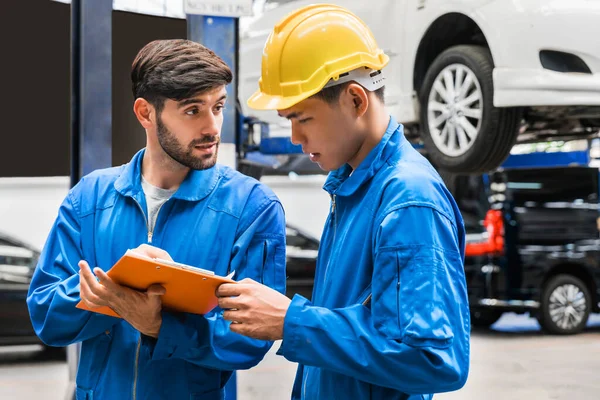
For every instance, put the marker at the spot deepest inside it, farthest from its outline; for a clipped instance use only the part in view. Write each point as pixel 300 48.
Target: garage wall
pixel 29 206
pixel 35 132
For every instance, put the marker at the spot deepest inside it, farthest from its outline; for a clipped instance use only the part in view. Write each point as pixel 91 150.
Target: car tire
pixel 461 129
pixel 560 293
pixel 484 318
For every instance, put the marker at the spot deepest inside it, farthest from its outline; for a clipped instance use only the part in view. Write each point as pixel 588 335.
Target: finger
pixel 230 289
pixel 242 329
pixel 233 316
pixel 153 252
pixel 90 299
pixel 87 275
pixel 229 303
pixel 91 304
pixel 249 281
pixel 96 292
pixel 109 290
pixel 156 290
pixel 84 290
pixel 102 276
pixel 105 280
pixel 85 270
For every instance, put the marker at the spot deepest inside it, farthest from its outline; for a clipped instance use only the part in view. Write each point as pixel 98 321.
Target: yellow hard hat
pixel 308 48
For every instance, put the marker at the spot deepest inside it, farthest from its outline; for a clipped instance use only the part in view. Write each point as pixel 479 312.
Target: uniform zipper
pixel 135 372
pixel 367 300
pixel 332 217
pixel 148 232
pixel 137 352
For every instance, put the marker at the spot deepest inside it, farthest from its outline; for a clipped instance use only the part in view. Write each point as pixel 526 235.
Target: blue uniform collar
pixel 341 183
pixel 196 186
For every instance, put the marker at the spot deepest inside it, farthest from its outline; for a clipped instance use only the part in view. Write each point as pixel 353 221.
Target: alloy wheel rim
pixel 455 110
pixel 567 306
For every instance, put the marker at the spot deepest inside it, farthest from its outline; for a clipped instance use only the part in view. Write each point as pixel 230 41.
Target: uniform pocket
pixel 256 259
pixel 266 262
pixel 384 297
pixel 423 298
pixel 93 359
pixel 410 296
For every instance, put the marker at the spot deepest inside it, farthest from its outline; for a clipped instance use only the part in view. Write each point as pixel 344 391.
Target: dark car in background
pixel 549 264
pixel 301 254
pixel 17 262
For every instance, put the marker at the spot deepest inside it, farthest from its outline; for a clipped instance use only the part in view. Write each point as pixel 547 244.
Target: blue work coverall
pixel 389 317
pixel 218 219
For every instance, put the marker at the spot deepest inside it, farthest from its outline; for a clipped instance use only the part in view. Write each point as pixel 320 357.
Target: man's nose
pixel 297 136
pixel 212 125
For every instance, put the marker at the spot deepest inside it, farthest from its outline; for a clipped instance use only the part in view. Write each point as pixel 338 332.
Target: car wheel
pixel 484 318
pixel 566 305
pixel 461 129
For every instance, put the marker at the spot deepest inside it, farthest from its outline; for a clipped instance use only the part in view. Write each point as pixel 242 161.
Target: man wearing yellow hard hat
pixel 389 316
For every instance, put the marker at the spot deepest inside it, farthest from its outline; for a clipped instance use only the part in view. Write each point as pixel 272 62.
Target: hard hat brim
pixel 262 101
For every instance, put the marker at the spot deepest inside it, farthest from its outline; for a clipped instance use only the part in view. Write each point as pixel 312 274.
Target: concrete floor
pixel 514 361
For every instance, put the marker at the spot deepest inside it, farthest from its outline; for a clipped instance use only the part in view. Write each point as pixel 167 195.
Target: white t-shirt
pixel 155 198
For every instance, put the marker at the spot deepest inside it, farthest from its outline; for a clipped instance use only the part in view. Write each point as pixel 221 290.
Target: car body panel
pixel 515 31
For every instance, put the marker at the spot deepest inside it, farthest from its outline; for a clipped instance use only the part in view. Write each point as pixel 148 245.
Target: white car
pixel 470 76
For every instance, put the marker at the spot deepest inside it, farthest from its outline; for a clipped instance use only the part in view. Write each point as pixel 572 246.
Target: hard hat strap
pixel 368 78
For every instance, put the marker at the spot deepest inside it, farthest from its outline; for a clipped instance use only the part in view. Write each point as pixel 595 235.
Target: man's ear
pixel 359 98
pixel 144 112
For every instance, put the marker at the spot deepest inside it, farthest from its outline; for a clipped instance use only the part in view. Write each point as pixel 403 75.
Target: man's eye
pixel 192 111
pixel 304 120
pixel 219 108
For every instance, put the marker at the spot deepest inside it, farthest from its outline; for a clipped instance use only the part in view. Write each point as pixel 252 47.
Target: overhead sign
pixel 221 8
pixel 178 8
pixel 159 8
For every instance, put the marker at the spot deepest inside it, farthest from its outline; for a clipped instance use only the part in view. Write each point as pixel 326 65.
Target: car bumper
pixel 536 87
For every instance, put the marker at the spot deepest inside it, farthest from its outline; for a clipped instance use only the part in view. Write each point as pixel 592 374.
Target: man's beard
pixel 183 156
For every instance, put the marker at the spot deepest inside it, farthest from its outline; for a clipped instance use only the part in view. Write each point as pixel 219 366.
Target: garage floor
pixel 514 361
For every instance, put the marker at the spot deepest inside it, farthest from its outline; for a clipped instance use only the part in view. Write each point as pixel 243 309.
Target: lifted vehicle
pixel 461 77
pixel 539 249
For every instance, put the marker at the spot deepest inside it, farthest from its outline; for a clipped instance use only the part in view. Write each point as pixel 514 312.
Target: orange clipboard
pixel 187 289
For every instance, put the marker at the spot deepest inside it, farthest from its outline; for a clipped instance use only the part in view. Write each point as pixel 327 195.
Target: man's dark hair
pixel 332 94
pixel 176 69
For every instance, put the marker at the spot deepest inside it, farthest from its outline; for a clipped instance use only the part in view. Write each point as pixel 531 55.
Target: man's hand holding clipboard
pixel 140 309
pixel 142 283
